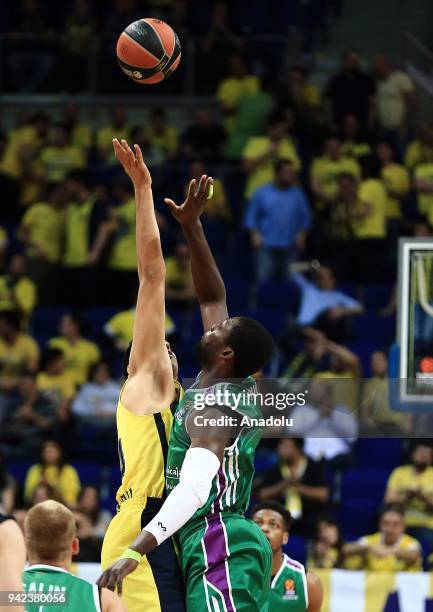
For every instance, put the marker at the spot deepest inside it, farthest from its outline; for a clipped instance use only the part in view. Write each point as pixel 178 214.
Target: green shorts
pixel 227 564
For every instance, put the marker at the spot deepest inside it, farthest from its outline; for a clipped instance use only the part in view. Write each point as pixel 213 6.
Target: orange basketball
pixel 148 51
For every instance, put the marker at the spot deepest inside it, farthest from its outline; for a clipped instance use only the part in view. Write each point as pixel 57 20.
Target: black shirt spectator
pixel 298 483
pixel 205 138
pixel 350 91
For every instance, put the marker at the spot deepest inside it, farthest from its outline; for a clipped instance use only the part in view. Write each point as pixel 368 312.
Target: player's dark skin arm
pixel 214 439
pixel 208 283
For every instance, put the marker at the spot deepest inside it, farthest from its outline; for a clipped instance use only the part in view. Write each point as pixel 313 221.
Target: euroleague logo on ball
pixel 134 74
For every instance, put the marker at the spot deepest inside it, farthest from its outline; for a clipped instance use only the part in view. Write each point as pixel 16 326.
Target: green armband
pixel 131 554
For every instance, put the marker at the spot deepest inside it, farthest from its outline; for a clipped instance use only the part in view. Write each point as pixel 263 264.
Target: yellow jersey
pixel 79 357
pixel 58 161
pixel 21 293
pixel 65 480
pixel 121 327
pixel 104 141
pixel 77 231
pixel 326 171
pixel 373 225
pixel 57 388
pixel 142 445
pixel 417 153
pixel 350 148
pixel 425 200
pixel 257 146
pixel 391 563
pixel 45 226
pixel 405 479
pixel 395 178
pixel 18 357
pixel 123 254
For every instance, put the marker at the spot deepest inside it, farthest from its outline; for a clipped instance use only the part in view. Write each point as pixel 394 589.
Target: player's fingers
pixel 102 580
pixel 118 149
pixel 127 148
pixel 201 186
pixel 209 183
pixel 119 584
pixel 172 205
pixel 191 187
pixel 138 153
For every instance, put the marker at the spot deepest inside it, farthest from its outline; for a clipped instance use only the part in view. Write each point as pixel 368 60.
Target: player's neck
pixel 277 561
pixel 212 375
pixel 64 564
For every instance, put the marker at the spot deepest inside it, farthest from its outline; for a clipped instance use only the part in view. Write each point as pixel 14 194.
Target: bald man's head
pixel 49 530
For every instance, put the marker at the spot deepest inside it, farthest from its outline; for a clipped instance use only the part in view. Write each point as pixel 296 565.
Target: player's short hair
pixel 252 345
pixel 11 317
pixel 275 506
pixel 49 530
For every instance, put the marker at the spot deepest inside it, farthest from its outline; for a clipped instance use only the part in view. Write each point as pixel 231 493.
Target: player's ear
pixel 227 352
pixel 285 538
pixel 75 546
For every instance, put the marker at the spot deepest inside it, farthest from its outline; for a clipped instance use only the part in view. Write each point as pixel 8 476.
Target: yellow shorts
pixel 156 585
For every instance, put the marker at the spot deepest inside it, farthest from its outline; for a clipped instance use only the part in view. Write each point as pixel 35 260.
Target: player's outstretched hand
pixel 114 575
pixel 195 203
pixel 133 163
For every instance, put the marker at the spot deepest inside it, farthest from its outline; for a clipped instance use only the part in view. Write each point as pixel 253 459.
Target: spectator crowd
pixel 312 189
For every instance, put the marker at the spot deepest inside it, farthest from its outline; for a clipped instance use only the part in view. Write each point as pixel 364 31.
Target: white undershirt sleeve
pixel 199 468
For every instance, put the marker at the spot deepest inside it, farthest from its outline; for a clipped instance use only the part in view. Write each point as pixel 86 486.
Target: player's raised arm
pixel 150 383
pixel 208 283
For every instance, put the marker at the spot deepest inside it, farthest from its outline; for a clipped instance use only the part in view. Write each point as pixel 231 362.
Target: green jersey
pixel 231 487
pixel 289 588
pixel 80 594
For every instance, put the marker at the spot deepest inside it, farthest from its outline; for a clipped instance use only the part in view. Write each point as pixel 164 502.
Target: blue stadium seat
pixel 238 295
pixel 45 322
pixel 357 517
pixel 18 469
pixel 370 326
pixel 273 320
pixel 89 472
pixel 264 459
pixel 357 483
pixel 115 480
pixel 385 453
pixel 96 318
pixel 377 295
pixel 277 295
